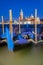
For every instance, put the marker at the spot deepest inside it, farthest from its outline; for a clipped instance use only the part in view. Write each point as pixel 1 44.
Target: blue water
pixel 24 28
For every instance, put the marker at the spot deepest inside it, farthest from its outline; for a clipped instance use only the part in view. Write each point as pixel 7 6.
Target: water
pixel 27 56
pixel 25 27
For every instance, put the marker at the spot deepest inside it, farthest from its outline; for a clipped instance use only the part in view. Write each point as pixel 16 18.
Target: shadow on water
pixel 24 50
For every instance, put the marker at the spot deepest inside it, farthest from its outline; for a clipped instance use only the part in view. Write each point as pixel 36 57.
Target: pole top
pixel 35 13
pixel 2 18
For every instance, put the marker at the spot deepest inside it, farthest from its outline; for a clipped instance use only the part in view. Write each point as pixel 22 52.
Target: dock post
pixel 10 23
pixel 9 40
pixel 19 26
pixel 2 24
pixel 36 26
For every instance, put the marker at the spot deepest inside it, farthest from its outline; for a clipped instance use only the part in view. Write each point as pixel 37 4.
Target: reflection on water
pixel 27 56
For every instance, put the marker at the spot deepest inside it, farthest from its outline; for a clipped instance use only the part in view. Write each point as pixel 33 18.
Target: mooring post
pixel 10 23
pixel 19 26
pixel 36 26
pixel 2 24
pixel 9 40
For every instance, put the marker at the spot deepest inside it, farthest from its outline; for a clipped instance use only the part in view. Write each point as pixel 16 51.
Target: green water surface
pixel 26 56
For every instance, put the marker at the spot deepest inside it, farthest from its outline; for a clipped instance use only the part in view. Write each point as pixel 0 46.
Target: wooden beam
pixel 35 25
pixel 2 24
